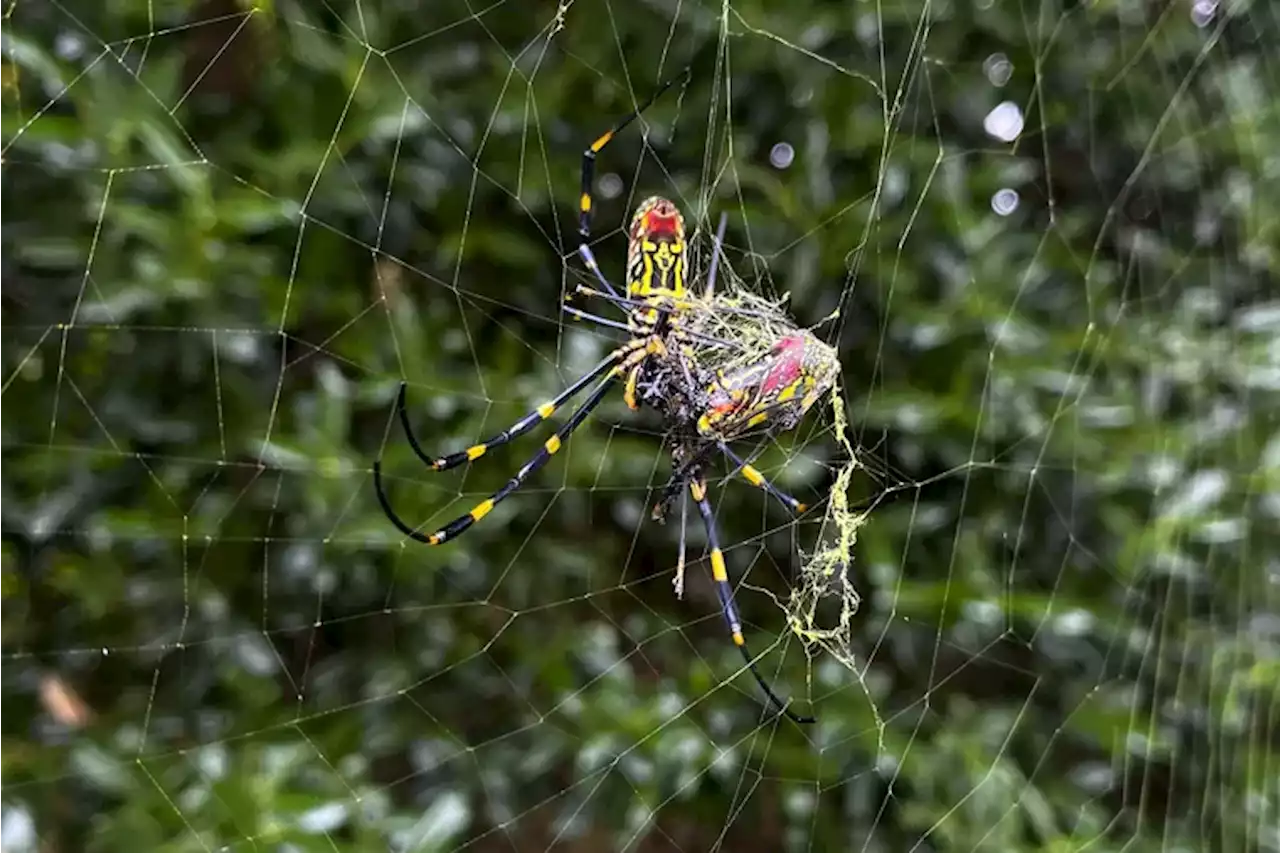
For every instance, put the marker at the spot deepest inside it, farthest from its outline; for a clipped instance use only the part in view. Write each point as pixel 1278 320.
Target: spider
pixel 709 390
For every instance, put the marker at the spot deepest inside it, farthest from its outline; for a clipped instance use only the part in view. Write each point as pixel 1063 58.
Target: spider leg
pixel 454 528
pixel 593 318
pixel 549 449
pixel 667 310
pixel 630 304
pixel 748 472
pixel 589 261
pixel 758 480
pixel 519 428
pixel 589 155
pixel 610 294
pixel 698 490
pixel 629 391
pixel 624 302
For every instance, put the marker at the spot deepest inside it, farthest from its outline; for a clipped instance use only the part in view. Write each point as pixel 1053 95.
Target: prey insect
pixel 716 366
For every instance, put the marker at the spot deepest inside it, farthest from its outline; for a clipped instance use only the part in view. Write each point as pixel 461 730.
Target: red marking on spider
pixel 788 365
pixel 657 225
pixel 658 219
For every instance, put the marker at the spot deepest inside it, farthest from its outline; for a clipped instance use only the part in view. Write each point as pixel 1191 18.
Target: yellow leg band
pixel 717 565
pixel 601 142
pixel 482 510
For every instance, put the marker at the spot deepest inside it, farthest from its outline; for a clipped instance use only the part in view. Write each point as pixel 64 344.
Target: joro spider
pixel 705 402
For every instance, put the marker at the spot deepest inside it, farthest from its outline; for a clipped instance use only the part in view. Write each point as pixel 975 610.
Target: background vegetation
pixel 231 230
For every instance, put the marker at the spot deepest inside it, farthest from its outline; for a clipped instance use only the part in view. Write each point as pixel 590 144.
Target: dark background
pixel 231 230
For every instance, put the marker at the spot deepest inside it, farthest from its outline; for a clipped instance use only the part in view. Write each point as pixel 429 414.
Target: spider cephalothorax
pixel 716 366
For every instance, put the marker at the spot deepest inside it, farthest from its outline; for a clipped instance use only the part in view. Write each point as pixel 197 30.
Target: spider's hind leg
pixel 698 490
pixel 519 428
pixel 755 478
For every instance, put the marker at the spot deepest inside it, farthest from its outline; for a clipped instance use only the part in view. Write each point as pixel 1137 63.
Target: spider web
pixel 1033 605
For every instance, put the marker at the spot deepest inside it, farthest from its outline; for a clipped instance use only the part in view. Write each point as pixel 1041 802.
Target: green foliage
pixel 232 228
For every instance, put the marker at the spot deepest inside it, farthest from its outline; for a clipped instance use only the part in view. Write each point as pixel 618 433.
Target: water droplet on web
pixel 1005 122
pixel 998 69
pixel 782 155
pixel 1005 201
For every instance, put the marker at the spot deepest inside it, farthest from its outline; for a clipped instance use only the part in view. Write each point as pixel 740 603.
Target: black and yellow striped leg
pixel 698 489
pixel 755 478
pixel 456 527
pixel 519 428
pixel 589 155
pixel 633 353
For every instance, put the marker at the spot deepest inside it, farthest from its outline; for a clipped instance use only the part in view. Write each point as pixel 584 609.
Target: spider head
pixel 656 254
pixel 658 220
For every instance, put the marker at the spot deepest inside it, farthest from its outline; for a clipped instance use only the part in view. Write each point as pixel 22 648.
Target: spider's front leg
pixel 519 428
pixel 617 364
